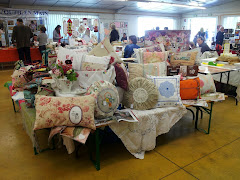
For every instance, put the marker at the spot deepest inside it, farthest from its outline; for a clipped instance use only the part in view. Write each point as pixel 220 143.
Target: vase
pixel 64 85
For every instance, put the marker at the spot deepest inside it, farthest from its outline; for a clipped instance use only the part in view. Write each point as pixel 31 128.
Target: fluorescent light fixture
pixel 149 5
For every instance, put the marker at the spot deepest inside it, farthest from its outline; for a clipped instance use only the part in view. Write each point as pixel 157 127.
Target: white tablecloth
pixel 140 137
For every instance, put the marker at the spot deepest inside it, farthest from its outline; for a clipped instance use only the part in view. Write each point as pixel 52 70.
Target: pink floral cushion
pixel 153 57
pixel 64 111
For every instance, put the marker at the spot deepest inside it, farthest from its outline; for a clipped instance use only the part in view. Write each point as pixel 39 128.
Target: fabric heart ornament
pixel 81 29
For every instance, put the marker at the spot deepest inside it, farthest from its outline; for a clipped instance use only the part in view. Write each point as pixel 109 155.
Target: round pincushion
pixel 142 94
pixel 107 98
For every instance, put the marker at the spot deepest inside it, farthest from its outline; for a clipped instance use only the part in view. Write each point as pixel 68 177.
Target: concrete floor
pixel 183 153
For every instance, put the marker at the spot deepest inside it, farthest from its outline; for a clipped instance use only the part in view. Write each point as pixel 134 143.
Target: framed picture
pixel 10 28
pixel 10 22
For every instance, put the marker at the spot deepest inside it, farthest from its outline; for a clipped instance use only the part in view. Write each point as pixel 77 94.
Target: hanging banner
pixel 69 27
pixel 6 12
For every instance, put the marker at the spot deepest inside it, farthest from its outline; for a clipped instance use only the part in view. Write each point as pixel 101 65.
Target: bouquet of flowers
pixel 60 71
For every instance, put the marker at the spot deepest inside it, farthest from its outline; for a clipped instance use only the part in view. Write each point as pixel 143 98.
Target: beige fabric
pixel 153 69
pixel 104 48
pixel 183 59
pixel 141 136
pixel 142 94
pixel 69 144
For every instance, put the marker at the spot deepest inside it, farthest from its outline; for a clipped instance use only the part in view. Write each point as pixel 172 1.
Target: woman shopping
pixel 42 39
pixel 57 35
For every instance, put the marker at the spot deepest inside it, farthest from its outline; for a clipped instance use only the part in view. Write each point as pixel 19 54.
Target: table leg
pixel 97 163
pixel 191 112
pixel 13 105
pixel 197 116
pixel 95 139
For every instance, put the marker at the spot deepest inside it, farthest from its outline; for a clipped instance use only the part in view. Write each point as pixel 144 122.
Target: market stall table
pixel 11 54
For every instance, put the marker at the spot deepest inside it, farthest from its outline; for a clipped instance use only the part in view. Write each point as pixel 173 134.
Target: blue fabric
pixel 128 51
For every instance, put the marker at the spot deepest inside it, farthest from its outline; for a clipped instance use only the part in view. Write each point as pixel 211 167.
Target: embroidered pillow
pixel 142 94
pixel 64 111
pixel 121 77
pixel 183 59
pixel 106 97
pixel 104 48
pixel 94 63
pixel 169 90
pixel 190 89
pixel 153 57
pixel 207 84
pixel 141 70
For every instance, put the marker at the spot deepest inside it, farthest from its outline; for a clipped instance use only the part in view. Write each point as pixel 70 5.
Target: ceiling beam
pixel 120 9
pixel 10 3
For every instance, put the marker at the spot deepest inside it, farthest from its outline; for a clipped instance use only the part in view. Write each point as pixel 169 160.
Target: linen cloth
pixel 141 136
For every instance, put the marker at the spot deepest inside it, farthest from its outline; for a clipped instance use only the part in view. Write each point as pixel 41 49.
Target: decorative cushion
pixel 104 48
pixel 107 98
pixel 19 78
pixel 153 69
pixel 169 90
pixel 142 94
pixel 183 59
pixel 207 84
pixel 64 111
pixel 153 57
pixel 190 89
pixel 121 77
pixel 94 63
pixel 87 78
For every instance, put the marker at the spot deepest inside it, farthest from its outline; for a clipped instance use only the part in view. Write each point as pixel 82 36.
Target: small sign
pixel 226 48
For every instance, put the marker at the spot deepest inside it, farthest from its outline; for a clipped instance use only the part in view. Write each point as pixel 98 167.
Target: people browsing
pixel 220 36
pixel 114 35
pixel 21 38
pixel 124 38
pixel 202 44
pixel 42 38
pixel 57 35
pixel 128 51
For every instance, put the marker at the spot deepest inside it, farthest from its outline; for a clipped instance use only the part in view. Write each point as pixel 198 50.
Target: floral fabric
pixel 153 57
pixel 64 111
pixel 94 63
pixel 207 84
pixel 169 90
pixel 106 96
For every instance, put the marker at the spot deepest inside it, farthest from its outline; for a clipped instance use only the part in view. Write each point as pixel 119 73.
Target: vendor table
pixel 11 54
pixel 222 71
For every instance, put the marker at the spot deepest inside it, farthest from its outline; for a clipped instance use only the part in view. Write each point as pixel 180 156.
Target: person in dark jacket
pixel 114 35
pixel 21 38
pixel 202 44
pixel 128 51
pixel 124 37
pixel 220 36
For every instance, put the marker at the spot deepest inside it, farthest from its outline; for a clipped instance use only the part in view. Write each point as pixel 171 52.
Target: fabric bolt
pixel 153 57
pixel 106 96
pixel 140 137
pixel 64 111
pixel 169 90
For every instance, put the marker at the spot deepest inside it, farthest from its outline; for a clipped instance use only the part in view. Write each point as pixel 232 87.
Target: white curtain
pixel 230 22
pixel 57 19
pixel 149 23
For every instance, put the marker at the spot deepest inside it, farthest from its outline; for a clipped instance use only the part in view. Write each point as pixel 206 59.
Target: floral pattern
pixel 169 90
pixel 106 96
pixel 55 111
pixel 166 89
pixel 207 84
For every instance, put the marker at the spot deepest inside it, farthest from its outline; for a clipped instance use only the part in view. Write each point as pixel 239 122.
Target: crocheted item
pixel 142 94
pixel 107 98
